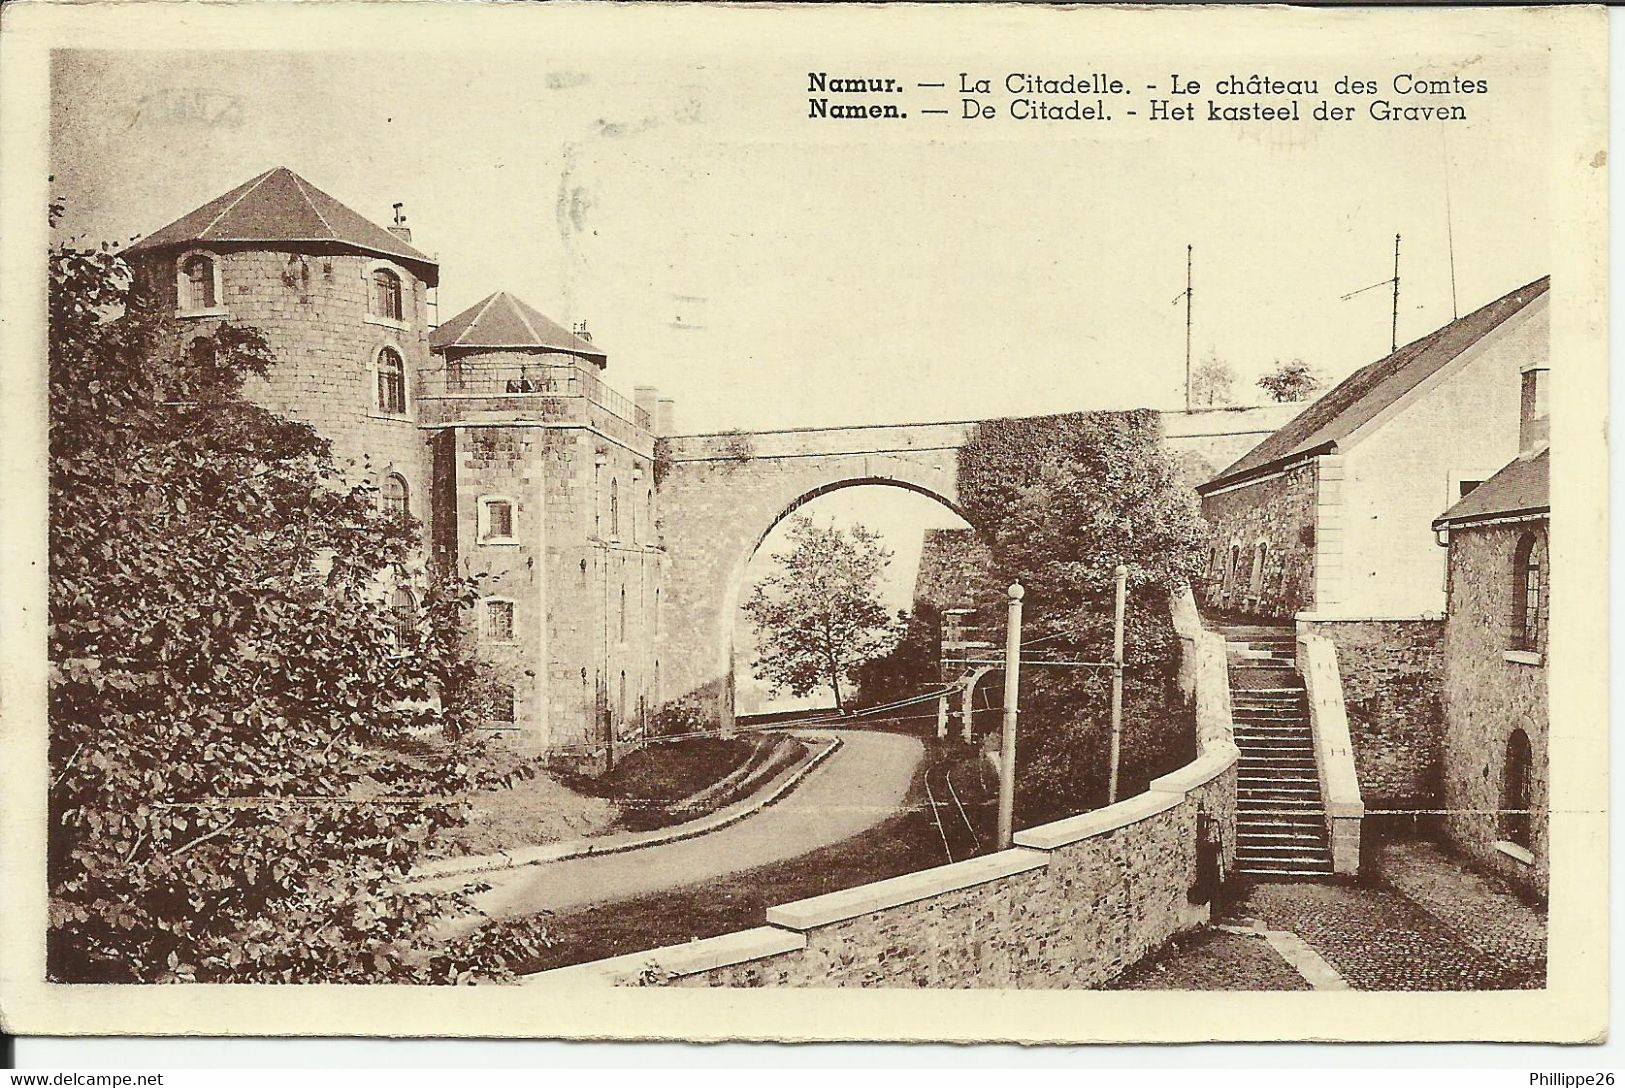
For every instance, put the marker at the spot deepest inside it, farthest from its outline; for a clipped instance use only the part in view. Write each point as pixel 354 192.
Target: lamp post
pixel 1117 685
pixel 1007 758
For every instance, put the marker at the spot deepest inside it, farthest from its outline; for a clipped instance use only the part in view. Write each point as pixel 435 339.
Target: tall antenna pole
pixel 1449 225
pixel 1188 249
pixel 1393 333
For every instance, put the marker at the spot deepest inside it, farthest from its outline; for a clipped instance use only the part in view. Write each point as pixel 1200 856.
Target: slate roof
pixel 281 206
pixel 1522 487
pixel 503 321
pixel 1374 387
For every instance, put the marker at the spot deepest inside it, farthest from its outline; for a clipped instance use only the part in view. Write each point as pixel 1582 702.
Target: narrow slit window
pixel 404 615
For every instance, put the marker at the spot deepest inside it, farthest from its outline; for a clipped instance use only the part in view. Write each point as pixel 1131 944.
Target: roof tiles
pixel 281 206
pixel 1376 386
pixel 502 321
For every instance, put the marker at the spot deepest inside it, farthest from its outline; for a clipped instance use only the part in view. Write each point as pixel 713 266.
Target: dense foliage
pixel 819 613
pixel 1062 501
pixel 248 747
pixel 909 667
pixel 1292 381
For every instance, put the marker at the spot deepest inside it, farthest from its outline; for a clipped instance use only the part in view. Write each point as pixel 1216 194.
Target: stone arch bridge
pixel 721 494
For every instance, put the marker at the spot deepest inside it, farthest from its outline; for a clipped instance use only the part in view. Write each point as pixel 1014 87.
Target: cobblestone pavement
pixel 1423 923
pixel 1211 959
pixel 1482 911
pixel 1379 940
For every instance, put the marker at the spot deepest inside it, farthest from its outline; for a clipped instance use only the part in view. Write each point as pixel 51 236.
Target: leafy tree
pixel 819 615
pixel 247 749
pixel 1065 500
pixel 1292 381
pixel 1211 383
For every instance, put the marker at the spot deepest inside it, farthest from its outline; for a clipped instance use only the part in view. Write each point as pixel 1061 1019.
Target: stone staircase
pixel 1280 819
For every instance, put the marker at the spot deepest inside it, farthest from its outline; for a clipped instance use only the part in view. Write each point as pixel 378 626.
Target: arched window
pixel 1260 554
pixel 393 495
pixel 649 515
pixel 1235 564
pixel 614 509
pixel 404 609
pixel 657 612
pixel 1516 825
pixel 623 614
pixel 623 696
pixel 386 295
pixel 1529 560
pixel 391 382
pixel 197 283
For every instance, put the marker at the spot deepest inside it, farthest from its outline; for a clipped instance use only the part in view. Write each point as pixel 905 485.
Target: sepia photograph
pixel 568 503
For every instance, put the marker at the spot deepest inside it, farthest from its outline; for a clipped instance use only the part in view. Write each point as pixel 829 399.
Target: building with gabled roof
pixel 495 430
pixel 1330 514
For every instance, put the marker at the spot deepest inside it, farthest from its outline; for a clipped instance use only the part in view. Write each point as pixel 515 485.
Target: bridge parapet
pixel 820 441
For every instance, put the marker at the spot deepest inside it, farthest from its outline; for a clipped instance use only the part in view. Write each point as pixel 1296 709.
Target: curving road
pixel 863 783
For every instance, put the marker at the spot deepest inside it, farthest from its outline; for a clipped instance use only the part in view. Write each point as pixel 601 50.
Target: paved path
pixel 1425 922
pixel 863 783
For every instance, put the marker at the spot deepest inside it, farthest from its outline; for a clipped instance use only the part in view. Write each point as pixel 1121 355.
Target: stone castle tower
pixel 495 430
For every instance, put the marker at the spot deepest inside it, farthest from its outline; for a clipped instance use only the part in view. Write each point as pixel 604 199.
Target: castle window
pixel 614 509
pixel 392 494
pixel 386 295
pixel 623 614
pixel 391 382
pixel 498 620
pixel 404 615
pixel 1529 561
pixel 1516 825
pixel 501 710
pixel 197 285
pixel 496 520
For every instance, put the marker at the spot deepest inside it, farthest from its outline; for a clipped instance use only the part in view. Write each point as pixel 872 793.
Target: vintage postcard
pixel 804 523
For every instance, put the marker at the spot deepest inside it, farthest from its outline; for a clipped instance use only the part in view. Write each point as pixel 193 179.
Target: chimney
pixel 1534 414
pixel 399 228
pixel 665 408
pixel 646 398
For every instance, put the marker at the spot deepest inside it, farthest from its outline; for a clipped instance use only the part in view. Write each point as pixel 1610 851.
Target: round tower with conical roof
pixel 342 302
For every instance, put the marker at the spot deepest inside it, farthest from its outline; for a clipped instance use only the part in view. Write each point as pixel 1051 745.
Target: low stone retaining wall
pixel 1072 904
pixel 1392 677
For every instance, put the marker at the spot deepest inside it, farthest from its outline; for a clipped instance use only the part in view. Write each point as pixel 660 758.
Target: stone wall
pixel 1491 690
pixel 723 492
pixel 1278 512
pixel 312 310
pixel 1392 673
pixel 584 569
pixel 1072 904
